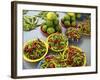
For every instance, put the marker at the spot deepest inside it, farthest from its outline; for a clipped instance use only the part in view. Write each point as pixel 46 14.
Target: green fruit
pixel 56 22
pixel 73 18
pixel 50 30
pixel 71 14
pixel 51 16
pixel 44 28
pixel 49 23
pixel 67 23
pixel 66 17
pixel 73 23
pixel 58 28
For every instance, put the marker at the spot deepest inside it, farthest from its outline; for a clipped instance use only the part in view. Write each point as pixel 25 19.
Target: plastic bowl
pixel 58 49
pixel 73 39
pixel 35 60
pixel 84 64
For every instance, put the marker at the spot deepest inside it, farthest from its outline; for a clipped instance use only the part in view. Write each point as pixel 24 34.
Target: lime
pixel 58 28
pixel 67 23
pixel 66 17
pixel 44 28
pixel 50 30
pixel 56 22
pixel 49 23
pixel 51 16
pixel 73 18
pixel 73 23
pixel 71 14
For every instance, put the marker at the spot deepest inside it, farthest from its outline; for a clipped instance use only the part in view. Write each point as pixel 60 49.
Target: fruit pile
pixel 51 24
pixel 69 20
pixel 77 25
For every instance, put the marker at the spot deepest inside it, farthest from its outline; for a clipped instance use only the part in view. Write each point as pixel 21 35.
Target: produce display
pixel 75 56
pixel 85 27
pixel 51 45
pixel 57 42
pixel 69 20
pixel 29 23
pixel 50 61
pixel 50 24
pixel 71 57
pixel 53 61
pixel 73 34
pixel 35 50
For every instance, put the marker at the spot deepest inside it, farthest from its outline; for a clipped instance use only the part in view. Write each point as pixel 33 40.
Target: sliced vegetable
pixel 35 50
pixel 75 56
pixel 29 23
pixel 73 33
pixel 50 61
pixel 57 42
pixel 86 28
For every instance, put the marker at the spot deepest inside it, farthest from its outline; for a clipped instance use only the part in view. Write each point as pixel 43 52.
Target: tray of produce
pixel 56 39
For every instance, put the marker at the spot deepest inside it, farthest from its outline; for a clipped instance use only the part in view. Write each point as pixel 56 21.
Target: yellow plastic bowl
pixel 78 49
pixel 35 60
pixel 52 48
